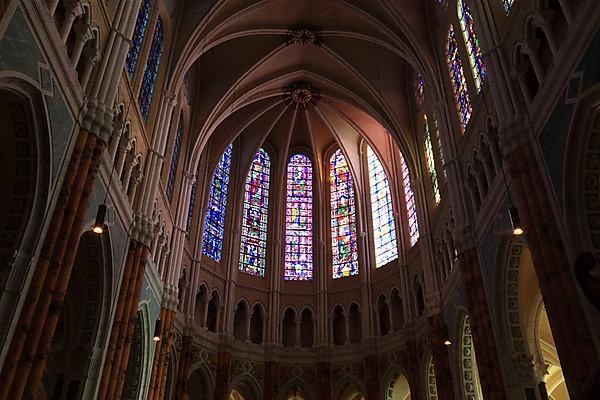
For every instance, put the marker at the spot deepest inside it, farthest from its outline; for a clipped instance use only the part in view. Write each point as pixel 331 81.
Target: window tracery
pixel 384 229
pixel 343 217
pixel 411 208
pixel 138 36
pixel 175 159
pixel 457 79
pixel 214 226
pixel 253 247
pixel 471 43
pixel 299 219
pixel 151 72
pixel 430 159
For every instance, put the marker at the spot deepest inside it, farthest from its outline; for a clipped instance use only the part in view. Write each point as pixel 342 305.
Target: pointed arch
pixel 384 228
pixel 214 225
pixel 467 26
pixel 299 219
pixel 253 246
pixel 458 81
pixel 344 247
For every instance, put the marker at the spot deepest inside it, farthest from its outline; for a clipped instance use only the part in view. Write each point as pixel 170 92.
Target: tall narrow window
pixel 214 225
pixel 438 142
pixel 471 43
pixel 419 89
pixel 430 159
pixel 299 219
pixel 138 36
pixel 457 78
pixel 343 217
pixel 384 229
pixel 253 246
pixel 507 5
pixel 411 208
pixel 190 216
pixel 175 158
pixel 151 72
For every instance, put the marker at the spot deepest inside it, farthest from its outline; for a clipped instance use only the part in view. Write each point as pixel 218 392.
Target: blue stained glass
pixel 253 246
pixel 384 228
pixel 214 225
pixel 151 72
pixel 457 79
pixel 411 207
pixel 430 159
pixel 472 43
pixel 343 218
pixel 138 36
pixel 299 219
pixel 175 159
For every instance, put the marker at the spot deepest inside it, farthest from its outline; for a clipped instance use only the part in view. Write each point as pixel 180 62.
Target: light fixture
pixel 447 342
pixel 100 217
pixel 515 221
pixel 157 326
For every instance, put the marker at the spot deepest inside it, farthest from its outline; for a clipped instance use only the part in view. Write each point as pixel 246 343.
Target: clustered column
pixel 576 350
pixel 162 354
pixel 186 354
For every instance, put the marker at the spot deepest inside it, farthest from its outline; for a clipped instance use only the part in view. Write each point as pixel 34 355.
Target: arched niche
pixel 430 382
pixel 245 388
pixel 198 385
pixel 135 365
pixel 398 388
pixel 297 389
pixel 349 389
pixel 471 385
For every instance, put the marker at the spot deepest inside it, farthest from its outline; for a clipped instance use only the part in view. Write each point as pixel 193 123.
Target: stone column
pixel 74 11
pixel 411 363
pixel 488 361
pixel 161 354
pixel 323 380
pixel 222 376
pixel 443 377
pixel 185 361
pixel 83 34
pixel 271 385
pixel 571 332
pixel 372 383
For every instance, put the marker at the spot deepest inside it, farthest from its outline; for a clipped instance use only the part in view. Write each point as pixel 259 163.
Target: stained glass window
pixel 138 36
pixel 214 225
pixel 343 217
pixel 419 89
pixel 384 229
pixel 175 158
pixel 190 216
pixel 430 159
pixel 253 246
pixel 507 5
pixel 457 78
pixel 298 219
pixel 151 72
pixel 439 145
pixel 471 42
pixel 411 207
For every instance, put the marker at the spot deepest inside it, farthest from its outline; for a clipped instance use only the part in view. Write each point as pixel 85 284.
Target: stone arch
pixel 431 392
pixel 349 388
pixel 383 315
pixel 397 386
pixel 297 389
pixel 245 387
pixel 213 311
pixel 338 326
pixel 355 333
pixel 469 378
pixel 307 327
pixel 135 367
pixel 199 384
pixel 257 323
pixel 288 327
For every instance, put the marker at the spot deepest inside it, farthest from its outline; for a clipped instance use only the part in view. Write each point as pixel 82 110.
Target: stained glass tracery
pixel 430 159
pixel 343 217
pixel 411 207
pixel 151 72
pixel 138 36
pixel 384 229
pixel 457 79
pixel 253 246
pixel 175 159
pixel 467 27
pixel 299 219
pixel 214 225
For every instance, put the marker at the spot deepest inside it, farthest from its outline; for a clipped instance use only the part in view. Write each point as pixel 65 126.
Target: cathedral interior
pixel 300 199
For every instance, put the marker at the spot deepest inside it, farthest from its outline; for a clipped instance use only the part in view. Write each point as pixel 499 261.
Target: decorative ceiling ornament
pixel 302 93
pixel 303 37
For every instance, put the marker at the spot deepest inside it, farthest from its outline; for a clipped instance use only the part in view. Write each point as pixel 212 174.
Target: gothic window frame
pixel 471 43
pixel 152 70
pixel 139 35
pixel 458 81
pixel 175 156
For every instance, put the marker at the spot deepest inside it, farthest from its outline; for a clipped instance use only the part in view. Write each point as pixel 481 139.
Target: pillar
pixel 222 376
pixel 372 383
pixel 271 385
pixel 488 361
pixel 438 333
pixel 183 369
pixel 411 362
pixel 161 355
pixel 571 332
pixel 323 380
pixel 26 359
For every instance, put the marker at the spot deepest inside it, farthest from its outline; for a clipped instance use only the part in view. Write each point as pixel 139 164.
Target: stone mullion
pixel 481 324
pixel 34 317
pixel 573 341
pixel 118 320
pixel 121 372
pixel 36 286
pixel 59 290
pixel 441 359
